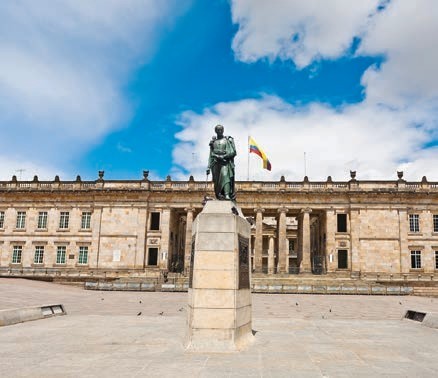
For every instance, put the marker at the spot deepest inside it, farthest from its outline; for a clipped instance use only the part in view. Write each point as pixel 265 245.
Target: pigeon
pixel 102 299
pixel 139 301
pixel 330 310
pixel 139 313
pixel 182 308
pixel 296 303
pixel 399 303
pixel 161 313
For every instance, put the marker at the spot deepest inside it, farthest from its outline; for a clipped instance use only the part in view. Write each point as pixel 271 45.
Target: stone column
pixel 165 239
pixel 330 229
pixel 354 238
pixel 258 243
pixel 306 266
pixel 405 255
pixel 188 239
pixel 282 242
pixel 96 224
pixel 140 249
pixel 271 255
pixel 287 255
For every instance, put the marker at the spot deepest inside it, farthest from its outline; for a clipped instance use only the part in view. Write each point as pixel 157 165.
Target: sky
pixel 123 86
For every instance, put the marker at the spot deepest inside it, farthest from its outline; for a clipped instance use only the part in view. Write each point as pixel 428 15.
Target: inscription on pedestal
pixel 243 263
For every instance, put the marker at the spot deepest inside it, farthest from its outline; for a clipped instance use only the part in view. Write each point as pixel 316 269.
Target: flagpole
pixel 247 173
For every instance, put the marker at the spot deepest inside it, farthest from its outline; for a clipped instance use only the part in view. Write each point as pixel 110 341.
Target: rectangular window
pixel 436 259
pixel 342 259
pixel 155 221
pixel 60 254
pixel 153 256
pixel 42 220
pixel 21 220
pixel 2 219
pixel 342 222
pixel 83 256
pixel 291 246
pixel 64 219
pixel 16 254
pixel 415 259
pixel 435 223
pixel 86 220
pixel 39 254
pixel 414 223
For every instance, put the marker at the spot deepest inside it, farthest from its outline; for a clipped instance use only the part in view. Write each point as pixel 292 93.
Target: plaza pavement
pixel 140 334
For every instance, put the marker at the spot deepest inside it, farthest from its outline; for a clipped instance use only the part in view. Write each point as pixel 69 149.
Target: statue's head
pixel 219 130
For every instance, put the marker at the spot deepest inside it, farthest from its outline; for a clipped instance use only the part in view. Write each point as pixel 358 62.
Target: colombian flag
pixel 254 147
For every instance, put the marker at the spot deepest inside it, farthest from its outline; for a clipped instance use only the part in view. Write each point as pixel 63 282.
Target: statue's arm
pixel 232 148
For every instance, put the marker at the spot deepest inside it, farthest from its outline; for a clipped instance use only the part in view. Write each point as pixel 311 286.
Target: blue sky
pixel 130 85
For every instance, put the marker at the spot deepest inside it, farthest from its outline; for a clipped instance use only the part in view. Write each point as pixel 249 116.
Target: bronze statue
pixel 221 164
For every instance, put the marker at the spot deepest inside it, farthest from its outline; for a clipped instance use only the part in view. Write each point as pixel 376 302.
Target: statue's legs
pixel 227 191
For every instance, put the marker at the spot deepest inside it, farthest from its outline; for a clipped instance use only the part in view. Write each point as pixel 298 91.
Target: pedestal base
pixel 219 299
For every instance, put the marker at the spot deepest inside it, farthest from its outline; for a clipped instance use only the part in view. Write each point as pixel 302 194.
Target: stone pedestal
pixel 219 298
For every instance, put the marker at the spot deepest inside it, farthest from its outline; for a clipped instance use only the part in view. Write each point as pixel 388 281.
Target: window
pixel 291 246
pixel 21 219
pixel 342 222
pixel 414 223
pixel 155 221
pixel 16 254
pixel 415 259
pixel 42 220
pixel 2 219
pixel 86 220
pixel 60 254
pixel 435 223
pixel 39 254
pixel 342 259
pixel 63 219
pixel 153 256
pixel 83 256
pixel 436 259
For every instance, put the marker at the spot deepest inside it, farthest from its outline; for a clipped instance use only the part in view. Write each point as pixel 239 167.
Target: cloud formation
pixel 62 71
pixel 302 31
pixel 389 130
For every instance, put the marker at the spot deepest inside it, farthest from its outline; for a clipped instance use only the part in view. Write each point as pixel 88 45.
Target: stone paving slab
pixel 296 336
pixel 124 345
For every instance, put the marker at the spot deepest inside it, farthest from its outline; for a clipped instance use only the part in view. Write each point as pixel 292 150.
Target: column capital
pixel 259 210
pixel 187 209
pixel 283 209
pixel 306 210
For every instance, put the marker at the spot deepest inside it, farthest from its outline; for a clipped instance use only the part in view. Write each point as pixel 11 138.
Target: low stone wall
pixel 20 315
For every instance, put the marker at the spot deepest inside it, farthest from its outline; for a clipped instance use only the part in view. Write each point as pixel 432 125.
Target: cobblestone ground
pixel 296 336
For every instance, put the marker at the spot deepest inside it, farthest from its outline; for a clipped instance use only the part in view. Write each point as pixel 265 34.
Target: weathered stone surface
pixel 219 313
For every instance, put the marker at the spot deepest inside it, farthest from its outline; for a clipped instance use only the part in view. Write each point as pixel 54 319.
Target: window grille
pixel 86 220
pixel 60 254
pixel 16 254
pixel 21 220
pixel 415 259
pixel 39 254
pixel 414 223
pixel 83 256
pixel 64 219
pixel 42 220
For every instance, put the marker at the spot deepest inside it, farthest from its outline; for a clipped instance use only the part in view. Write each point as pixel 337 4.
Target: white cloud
pixel 62 68
pixel 302 31
pixel 375 140
pixel 407 33
pixel 26 170
pixel 384 133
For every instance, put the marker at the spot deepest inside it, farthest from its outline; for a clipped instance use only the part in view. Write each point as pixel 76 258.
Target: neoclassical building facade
pixel 142 227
